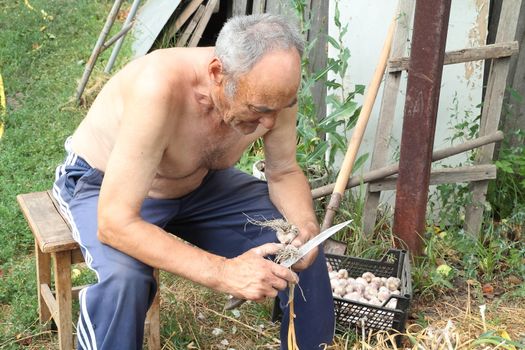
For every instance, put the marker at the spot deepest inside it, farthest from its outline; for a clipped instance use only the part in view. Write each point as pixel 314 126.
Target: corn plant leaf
pixel 333 42
pixel 359 162
pixel 318 151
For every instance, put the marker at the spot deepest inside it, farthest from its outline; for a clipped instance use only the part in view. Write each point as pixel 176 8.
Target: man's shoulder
pixel 156 74
pixel 160 67
pixel 171 62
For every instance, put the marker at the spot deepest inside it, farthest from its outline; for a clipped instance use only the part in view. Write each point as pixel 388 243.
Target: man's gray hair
pixel 244 40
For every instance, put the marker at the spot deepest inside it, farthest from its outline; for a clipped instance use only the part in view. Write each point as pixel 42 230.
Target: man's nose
pixel 268 121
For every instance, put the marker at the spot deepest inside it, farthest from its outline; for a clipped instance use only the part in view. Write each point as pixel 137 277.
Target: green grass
pixel 40 52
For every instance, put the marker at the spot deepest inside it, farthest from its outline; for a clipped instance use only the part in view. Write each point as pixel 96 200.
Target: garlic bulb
pixel 342 273
pixel 368 276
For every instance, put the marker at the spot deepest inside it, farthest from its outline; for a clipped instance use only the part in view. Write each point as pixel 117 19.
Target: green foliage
pixel 490 257
pixel 428 280
pixel 499 249
pixel 463 125
pixel 507 192
pixel 493 338
pixel 320 140
pixel 359 244
pixel 250 156
pixel 448 202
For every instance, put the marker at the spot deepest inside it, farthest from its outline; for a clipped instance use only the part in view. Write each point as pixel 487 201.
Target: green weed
pixel 507 192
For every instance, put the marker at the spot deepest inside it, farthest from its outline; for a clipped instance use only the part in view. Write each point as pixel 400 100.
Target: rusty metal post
pixel 419 124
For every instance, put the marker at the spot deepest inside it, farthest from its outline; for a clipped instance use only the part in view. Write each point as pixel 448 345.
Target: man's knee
pixel 130 282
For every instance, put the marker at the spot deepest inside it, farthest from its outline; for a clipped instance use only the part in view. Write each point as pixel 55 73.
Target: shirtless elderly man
pixel 155 154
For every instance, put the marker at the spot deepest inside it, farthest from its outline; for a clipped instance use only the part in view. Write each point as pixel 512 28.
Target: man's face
pixel 263 92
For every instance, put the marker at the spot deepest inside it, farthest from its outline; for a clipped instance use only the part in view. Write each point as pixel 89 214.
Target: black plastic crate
pixel 351 314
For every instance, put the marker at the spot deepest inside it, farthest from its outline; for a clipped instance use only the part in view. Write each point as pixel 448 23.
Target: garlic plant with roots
pixel 367 288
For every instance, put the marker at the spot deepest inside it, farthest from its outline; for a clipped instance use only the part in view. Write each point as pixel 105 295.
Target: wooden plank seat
pixel 54 242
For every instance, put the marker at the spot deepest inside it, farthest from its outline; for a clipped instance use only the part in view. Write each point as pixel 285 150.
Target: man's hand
pixel 303 237
pixel 251 276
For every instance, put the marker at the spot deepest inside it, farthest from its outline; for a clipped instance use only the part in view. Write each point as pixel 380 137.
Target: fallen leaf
pixel 122 15
pixel 28 5
pixel 23 340
pixel 503 333
pixel 488 290
pixel 26 341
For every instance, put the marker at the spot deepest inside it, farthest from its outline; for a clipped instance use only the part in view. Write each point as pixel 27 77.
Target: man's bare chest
pixel 184 158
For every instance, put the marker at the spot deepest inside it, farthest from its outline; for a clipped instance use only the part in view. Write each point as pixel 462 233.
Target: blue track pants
pixel 212 217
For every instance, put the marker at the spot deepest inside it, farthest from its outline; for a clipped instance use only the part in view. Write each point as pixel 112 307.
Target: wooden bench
pixel 53 241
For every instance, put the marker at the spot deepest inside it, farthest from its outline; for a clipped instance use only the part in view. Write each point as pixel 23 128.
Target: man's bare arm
pixel 289 188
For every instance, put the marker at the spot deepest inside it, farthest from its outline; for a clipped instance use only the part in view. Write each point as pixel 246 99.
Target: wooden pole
pixel 491 112
pixel 203 22
pixel 388 170
pixel 96 50
pixel 188 11
pixel 116 37
pixel 357 135
pixel 118 45
pixel 183 39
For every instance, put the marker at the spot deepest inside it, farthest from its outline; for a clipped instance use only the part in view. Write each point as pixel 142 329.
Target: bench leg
pixel 153 318
pixel 63 297
pixel 43 276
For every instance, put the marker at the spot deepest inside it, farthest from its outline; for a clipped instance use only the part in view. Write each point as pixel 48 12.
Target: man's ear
pixel 215 71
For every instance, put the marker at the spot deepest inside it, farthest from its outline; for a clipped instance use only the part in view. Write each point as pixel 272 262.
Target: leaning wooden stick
pixel 98 48
pixel 357 135
pixel 381 173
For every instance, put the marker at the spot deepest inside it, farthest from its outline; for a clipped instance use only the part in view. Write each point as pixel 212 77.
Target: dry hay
pixel 95 84
pixel 285 231
pixel 196 315
pixel 464 320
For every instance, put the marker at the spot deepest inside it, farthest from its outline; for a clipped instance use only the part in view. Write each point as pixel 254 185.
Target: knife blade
pixel 314 242
pixel 306 248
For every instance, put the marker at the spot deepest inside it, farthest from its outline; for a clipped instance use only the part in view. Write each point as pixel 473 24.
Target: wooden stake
pixel 197 34
pixel 118 45
pixel 184 16
pixel 381 173
pixel 357 135
pixel 183 39
pixel 97 49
